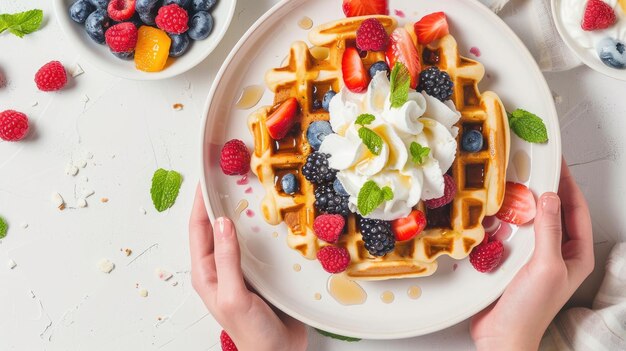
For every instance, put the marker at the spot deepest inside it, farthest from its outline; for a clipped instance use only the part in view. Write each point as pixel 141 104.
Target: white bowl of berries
pixel 145 39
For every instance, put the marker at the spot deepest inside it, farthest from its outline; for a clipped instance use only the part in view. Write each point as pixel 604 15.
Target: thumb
pixel 227 259
pixel 548 231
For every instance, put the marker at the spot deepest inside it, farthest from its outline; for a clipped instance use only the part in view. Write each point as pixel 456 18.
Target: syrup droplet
pixel 320 53
pixel 275 234
pixel 250 96
pixel 243 180
pixel 387 297
pixel 399 13
pixel 345 291
pixel 317 296
pixel 454 267
pixel 521 161
pixel 241 206
pixel 249 213
pixel 297 267
pixel 248 190
pixel 305 23
pixel 475 51
pixel 414 292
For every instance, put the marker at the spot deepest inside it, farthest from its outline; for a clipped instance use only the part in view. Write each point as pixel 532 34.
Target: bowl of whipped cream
pixel 595 30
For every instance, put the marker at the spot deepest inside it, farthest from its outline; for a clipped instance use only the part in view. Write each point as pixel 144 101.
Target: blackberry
pixel 377 235
pixel 327 200
pixel 436 83
pixel 316 169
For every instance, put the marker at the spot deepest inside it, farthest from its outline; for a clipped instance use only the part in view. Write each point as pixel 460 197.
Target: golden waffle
pixel 454 230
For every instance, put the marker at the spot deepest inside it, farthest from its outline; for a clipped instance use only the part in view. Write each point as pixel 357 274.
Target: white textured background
pixel 57 299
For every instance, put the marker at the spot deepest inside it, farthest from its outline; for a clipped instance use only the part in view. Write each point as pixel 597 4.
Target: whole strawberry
pixel 328 227
pixel 51 76
pixel 371 36
pixel 227 342
pixel 13 125
pixel 334 259
pixel 121 37
pixel 449 192
pixel 598 15
pixel 172 19
pixel 235 158
pixel 486 257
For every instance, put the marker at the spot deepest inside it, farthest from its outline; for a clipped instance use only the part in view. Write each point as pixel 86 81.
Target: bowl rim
pixel 60 10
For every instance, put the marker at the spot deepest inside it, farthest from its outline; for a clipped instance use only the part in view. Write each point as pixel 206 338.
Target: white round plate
pixel 453 293
pixel 588 57
pixel 101 57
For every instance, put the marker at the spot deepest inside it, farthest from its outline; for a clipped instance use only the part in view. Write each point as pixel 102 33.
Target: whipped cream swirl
pixel 422 119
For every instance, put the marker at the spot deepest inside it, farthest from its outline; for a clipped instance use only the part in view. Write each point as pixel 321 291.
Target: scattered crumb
pixel 71 170
pixel 142 210
pixel 11 264
pixel 178 107
pixel 174 283
pixel 34 103
pixel 136 285
pixel 57 201
pixel 128 252
pixel 88 192
pixel 104 200
pixel 76 70
pixel 24 225
pixel 159 318
pixel 113 156
pixel 81 203
pixel 163 274
pixel 143 293
pixel 82 163
pixel 106 266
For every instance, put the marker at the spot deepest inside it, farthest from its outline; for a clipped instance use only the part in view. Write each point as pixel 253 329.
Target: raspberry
pixel 13 125
pixel 121 10
pixel 122 37
pixel 333 259
pixel 448 194
pixel 371 36
pixel 235 158
pixel 486 257
pixel 598 15
pixel 172 19
pixel 328 227
pixel 51 76
pixel 227 342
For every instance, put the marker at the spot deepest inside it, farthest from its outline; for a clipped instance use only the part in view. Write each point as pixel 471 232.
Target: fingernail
pixel 224 226
pixel 551 204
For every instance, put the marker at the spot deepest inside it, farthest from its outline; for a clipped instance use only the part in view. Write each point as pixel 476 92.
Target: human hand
pixel 563 258
pixel 217 277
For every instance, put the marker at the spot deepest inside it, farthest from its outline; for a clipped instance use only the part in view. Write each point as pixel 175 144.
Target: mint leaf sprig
pixel 21 23
pixel 528 126
pixel 371 196
pixel 419 153
pixel 400 83
pixel 372 141
pixel 337 336
pixel 165 188
pixel 3 228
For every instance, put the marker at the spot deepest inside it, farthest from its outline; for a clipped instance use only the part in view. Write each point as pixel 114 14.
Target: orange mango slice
pixel 152 50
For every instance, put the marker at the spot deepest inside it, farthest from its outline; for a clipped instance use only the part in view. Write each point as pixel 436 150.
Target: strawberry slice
pixel 282 119
pixel 431 27
pixel 353 8
pixel 519 206
pixel 410 226
pixel 401 49
pixel 355 77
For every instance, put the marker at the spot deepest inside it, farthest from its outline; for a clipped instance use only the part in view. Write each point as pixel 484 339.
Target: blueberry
pixel 203 5
pixel 96 24
pixel 316 133
pixel 472 141
pixel 339 189
pixel 377 67
pixel 182 3
pixel 147 10
pixel 612 52
pixel 80 10
pixel 136 20
pixel 180 44
pixel 200 25
pixel 289 183
pixel 124 55
pixel 327 97
pixel 317 104
pixel 101 4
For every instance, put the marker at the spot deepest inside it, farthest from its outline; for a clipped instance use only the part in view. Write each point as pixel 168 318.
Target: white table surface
pixel 57 299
